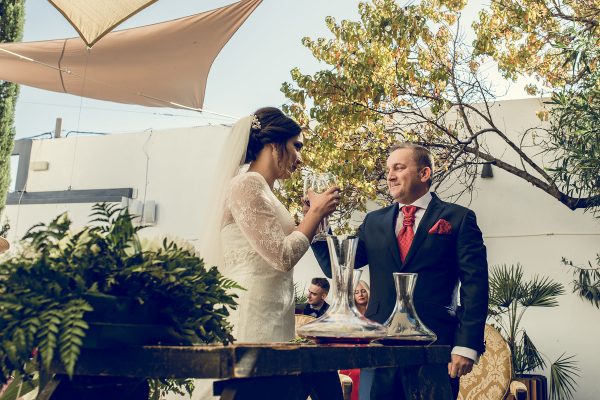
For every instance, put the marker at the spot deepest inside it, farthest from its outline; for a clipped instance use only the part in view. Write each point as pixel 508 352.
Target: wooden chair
pixel 302 319
pixel 4 245
pixel 491 377
pixel 345 380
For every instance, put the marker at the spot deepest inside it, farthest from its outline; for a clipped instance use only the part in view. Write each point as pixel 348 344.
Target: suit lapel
pixel 431 215
pixel 389 224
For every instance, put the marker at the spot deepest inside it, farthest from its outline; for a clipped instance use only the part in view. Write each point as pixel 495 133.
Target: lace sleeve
pixel 253 210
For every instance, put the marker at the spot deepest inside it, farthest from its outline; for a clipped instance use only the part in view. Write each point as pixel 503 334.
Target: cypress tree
pixel 12 14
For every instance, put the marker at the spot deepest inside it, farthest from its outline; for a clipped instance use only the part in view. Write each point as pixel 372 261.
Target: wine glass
pixel 319 182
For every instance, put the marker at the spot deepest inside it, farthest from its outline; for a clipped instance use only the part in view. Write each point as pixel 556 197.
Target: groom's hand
pixel 459 366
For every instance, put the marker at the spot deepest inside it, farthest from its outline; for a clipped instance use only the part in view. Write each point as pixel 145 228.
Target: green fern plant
pixel 510 296
pixel 45 289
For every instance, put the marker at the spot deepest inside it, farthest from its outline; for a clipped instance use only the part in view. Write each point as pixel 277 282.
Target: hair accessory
pixel 255 122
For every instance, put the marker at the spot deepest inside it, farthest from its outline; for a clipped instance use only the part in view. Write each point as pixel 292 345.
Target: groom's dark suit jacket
pixel 441 260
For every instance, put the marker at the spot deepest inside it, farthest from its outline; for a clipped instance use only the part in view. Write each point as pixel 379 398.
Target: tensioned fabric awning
pixel 93 19
pixel 160 65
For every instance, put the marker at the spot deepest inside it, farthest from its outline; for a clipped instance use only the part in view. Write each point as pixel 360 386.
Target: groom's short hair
pixel 422 155
pixel 323 283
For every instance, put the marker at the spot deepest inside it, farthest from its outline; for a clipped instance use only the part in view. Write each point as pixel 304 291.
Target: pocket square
pixel 441 227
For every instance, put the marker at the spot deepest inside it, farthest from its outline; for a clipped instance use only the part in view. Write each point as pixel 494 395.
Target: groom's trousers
pixel 430 381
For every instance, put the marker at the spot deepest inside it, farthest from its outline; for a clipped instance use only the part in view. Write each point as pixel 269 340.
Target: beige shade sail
pixel 93 19
pixel 161 65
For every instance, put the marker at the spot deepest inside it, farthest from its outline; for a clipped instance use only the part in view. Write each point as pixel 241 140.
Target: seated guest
pixel 315 298
pixel 361 296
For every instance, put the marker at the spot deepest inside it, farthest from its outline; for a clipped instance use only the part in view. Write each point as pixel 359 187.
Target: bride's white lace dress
pixel 260 248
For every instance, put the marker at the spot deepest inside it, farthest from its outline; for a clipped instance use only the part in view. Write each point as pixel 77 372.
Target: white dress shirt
pixel 422 203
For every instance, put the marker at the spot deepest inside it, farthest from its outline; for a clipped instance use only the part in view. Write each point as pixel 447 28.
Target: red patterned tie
pixel 407 233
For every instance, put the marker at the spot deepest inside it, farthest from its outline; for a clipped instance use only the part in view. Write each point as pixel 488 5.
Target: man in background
pixel 315 298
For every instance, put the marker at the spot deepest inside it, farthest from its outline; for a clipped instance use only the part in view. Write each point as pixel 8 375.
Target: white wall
pixel 523 224
pixel 171 167
pixel 520 223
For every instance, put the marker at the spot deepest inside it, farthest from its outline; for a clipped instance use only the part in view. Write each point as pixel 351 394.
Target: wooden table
pixel 273 371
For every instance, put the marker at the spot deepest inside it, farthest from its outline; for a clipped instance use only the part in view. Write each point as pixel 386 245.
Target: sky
pixel 247 74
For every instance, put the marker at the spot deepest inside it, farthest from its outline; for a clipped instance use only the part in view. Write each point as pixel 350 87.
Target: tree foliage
pixel 407 73
pixel 556 42
pixel 586 282
pixel 11 30
pixel 534 37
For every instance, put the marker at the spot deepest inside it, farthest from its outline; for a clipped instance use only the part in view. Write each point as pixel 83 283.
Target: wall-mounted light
pixel 486 171
pixel 136 208
pixel 144 212
pixel 149 212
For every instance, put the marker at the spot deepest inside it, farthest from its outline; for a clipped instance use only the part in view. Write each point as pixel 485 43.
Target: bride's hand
pixel 324 203
pixel 305 205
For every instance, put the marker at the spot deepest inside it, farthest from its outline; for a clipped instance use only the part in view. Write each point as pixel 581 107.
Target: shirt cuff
pixel 466 352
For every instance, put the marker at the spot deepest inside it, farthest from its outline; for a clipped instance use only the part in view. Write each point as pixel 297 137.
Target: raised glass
pixel 319 182
pixel 342 323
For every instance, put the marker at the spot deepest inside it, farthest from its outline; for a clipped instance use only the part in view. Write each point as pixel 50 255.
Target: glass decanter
pixel 342 323
pixel 404 328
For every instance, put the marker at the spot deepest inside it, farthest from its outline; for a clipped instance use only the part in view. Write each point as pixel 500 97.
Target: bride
pixel 259 242
pixel 252 238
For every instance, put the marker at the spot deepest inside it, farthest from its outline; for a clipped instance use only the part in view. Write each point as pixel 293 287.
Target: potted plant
pixel 510 296
pixel 101 287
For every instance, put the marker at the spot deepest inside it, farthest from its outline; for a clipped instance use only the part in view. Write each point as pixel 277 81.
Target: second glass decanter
pixel 404 327
pixel 342 323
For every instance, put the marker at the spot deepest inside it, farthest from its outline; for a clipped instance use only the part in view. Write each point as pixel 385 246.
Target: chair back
pixel 490 378
pixel 4 245
pixel 302 319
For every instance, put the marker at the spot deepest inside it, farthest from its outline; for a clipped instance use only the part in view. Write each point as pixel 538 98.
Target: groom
pixel 443 244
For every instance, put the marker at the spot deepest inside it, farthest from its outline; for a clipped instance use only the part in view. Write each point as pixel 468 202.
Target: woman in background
pixel 361 296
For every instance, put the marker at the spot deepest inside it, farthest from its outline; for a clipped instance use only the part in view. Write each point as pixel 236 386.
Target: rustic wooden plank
pixel 291 360
pixel 248 360
pixel 438 357
pixel 155 362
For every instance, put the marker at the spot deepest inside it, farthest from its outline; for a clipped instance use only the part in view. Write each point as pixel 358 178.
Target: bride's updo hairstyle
pixel 271 125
